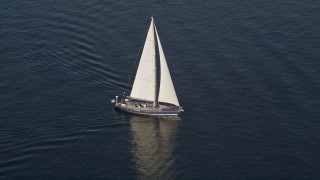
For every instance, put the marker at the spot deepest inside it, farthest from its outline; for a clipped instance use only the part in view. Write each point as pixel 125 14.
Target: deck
pixel 147 110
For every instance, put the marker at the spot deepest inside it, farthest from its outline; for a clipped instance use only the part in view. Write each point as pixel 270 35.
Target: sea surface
pixel 247 74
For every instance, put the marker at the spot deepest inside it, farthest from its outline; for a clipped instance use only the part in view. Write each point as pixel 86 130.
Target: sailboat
pixel 145 98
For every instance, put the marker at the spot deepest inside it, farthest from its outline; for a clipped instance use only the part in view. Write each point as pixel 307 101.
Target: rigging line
pixel 135 62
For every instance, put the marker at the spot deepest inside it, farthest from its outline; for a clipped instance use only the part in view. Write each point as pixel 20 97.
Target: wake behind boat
pixel 144 98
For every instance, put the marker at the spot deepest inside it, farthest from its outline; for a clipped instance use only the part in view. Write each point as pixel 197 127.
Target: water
pixel 246 73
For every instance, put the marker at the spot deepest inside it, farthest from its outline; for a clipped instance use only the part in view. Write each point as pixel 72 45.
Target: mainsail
pixel 167 92
pixel 145 80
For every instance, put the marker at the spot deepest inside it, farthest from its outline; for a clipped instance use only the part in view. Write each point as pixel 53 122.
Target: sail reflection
pixel 153 145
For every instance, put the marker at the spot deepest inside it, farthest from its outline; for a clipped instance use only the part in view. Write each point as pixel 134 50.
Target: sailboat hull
pixel 149 112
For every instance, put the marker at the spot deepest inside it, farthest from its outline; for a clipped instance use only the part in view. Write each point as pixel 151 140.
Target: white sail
pixel 167 92
pixel 145 80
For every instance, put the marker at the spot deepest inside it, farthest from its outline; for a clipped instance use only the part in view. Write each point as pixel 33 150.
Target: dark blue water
pixel 246 72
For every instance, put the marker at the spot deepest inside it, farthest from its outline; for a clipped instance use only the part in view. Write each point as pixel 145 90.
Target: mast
pixel 155 72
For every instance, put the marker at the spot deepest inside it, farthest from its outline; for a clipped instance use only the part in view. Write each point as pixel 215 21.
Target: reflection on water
pixel 153 146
